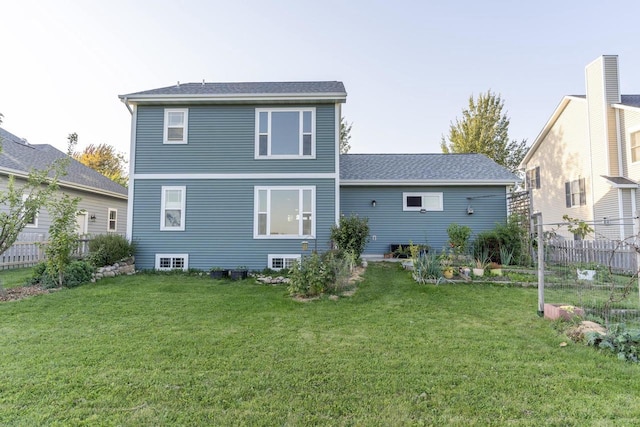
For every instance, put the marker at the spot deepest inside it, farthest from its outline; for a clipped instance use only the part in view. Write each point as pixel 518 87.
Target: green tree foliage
pixel 345 136
pixel 20 203
pixel 352 235
pixel 106 160
pixel 484 129
pixel 62 235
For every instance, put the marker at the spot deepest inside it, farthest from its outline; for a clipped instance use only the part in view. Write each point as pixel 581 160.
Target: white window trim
pixel 172 256
pixel 115 229
pixel 183 206
pixel 422 194
pixel 35 219
pixel 185 133
pixel 300 138
pixel 630 132
pixel 300 203
pixel 283 256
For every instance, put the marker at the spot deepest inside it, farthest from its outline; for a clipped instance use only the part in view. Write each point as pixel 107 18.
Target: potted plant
pixel 218 273
pixel 446 264
pixel 495 269
pixel 239 273
pixel 480 265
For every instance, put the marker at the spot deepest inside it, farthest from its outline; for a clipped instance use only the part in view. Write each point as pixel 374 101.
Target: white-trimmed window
pixel 280 261
pixel 285 133
pixel 284 212
pixel 112 220
pixel 31 221
pixel 575 192
pixel 422 201
pixel 634 145
pixel 176 125
pixel 168 262
pixel 172 212
pixel 533 178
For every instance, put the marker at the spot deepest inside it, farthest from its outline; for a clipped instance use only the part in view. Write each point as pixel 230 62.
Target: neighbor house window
pixel 575 192
pixel 285 133
pixel 112 220
pixel 173 202
pixel 167 262
pixel 533 178
pixel 279 261
pixel 175 125
pixel 422 201
pixel 284 212
pixel 31 219
pixel 634 143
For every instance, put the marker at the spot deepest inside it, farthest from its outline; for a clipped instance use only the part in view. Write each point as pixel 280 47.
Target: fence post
pixel 636 231
pixel 540 240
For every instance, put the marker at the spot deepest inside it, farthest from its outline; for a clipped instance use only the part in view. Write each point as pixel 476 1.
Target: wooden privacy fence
pixel 620 256
pixel 27 251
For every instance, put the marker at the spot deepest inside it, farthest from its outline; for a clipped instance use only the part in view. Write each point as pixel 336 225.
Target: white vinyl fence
pixel 620 256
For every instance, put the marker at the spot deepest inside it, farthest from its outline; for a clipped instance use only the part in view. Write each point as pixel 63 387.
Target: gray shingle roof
pixel 630 100
pixel 18 155
pixel 423 167
pixel 246 88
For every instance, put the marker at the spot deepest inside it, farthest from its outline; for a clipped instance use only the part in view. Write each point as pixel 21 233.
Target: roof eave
pixel 547 127
pixel 226 98
pixel 68 184
pixel 424 182
pixel 625 107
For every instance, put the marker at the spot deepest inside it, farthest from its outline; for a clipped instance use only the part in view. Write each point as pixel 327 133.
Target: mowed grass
pixel 175 350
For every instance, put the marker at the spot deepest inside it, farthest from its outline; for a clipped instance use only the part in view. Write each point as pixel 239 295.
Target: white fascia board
pixel 68 184
pixel 303 97
pixel 547 127
pixel 235 176
pixel 625 107
pixel 420 183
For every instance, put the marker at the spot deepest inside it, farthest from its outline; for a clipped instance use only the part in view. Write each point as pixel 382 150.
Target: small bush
pixel 107 249
pixel 426 267
pixel 458 237
pixel 625 343
pixel 351 235
pixel 308 277
pixel 338 267
pixel 77 273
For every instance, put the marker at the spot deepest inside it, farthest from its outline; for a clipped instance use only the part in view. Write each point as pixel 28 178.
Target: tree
pixel 104 159
pixel 63 237
pixel 484 129
pixel 21 203
pixel 345 136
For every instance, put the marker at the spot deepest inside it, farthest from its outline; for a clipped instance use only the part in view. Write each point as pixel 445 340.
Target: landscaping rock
pixel 578 332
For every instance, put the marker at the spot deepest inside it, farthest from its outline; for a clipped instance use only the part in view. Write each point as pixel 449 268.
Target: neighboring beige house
pixel 586 160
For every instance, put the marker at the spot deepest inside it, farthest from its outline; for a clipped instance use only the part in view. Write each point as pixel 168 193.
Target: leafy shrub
pixel 427 267
pixel 508 238
pixel 351 235
pixel 77 273
pixel 308 277
pixel 625 343
pixel 107 249
pixel 458 237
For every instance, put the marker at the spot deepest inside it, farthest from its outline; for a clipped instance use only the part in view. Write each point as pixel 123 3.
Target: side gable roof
pixel 422 169
pixel 19 157
pixel 329 91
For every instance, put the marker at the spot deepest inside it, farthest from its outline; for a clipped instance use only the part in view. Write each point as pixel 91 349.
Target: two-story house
pixel 230 174
pixel 585 162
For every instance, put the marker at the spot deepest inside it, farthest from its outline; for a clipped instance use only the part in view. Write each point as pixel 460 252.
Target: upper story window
pixel 112 220
pixel 172 209
pixel 533 178
pixel 284 212
pixel 285 133
pixel 175 125
pixel 575 192
pixel 634 144
pixel 422 201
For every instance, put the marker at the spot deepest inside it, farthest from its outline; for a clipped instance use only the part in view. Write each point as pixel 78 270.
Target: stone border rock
pixel 126 266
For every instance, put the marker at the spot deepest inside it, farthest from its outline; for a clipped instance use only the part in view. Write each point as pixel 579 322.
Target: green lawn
pixel 15 277
pixel 173 350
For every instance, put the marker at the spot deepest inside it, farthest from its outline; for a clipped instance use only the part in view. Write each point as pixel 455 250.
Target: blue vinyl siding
pixel 391 225
pixel 219 223
pixel 221 139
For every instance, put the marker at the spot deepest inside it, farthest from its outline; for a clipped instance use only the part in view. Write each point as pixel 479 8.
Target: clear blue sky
pixel 409 67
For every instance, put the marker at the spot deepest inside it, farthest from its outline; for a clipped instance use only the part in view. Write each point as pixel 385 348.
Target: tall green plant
pixel 352 234
pixel 62 235
pixel 458 237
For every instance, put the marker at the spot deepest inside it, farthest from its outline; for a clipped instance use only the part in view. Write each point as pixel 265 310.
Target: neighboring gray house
pixel 103 204
pixel 414 197
pixel 230 174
